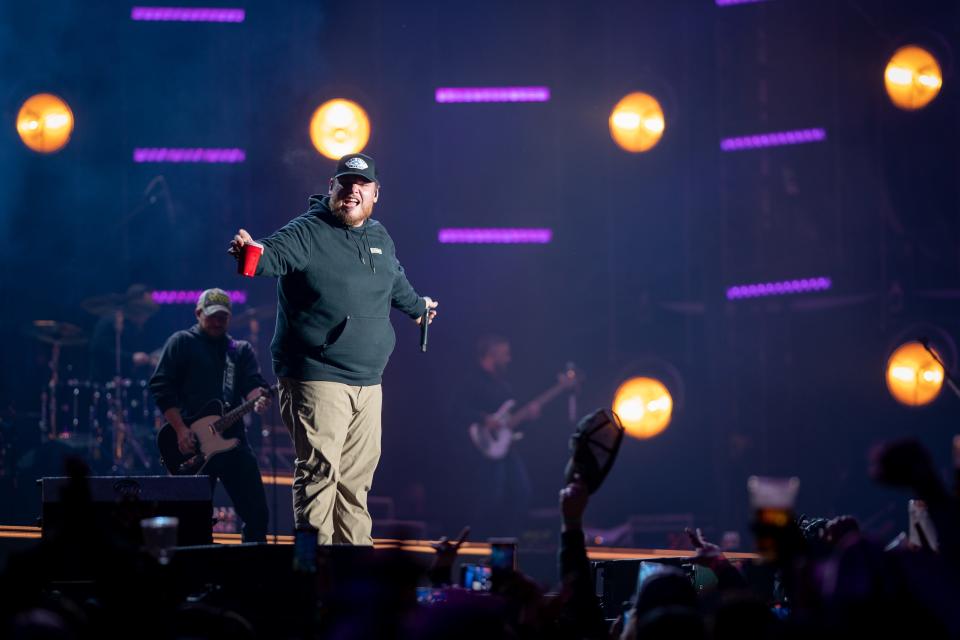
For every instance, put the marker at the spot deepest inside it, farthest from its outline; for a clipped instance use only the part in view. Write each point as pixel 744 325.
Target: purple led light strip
pixel 191 297
pixel 492 94
pixel 774 139
pixel 229 156
pixel 786 287
pixel 495 236
pixel 187 14
pixel 730 3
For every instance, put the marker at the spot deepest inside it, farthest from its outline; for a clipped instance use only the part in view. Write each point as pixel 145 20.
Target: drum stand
pixel 48 398
pixel 62 421
pixel 126 449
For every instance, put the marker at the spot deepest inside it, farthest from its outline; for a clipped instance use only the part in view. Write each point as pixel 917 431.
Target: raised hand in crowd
pixel 573 502
pixel 706 551
pixel 580 615
pixel 709 555
pixel 839 528
pixel 440 571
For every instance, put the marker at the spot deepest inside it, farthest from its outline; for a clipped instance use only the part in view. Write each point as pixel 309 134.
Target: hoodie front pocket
pixel 364 345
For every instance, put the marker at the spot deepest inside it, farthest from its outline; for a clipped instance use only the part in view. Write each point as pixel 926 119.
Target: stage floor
pixel 17 535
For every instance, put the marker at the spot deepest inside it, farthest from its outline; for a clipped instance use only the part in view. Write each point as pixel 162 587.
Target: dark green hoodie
pixel 337 284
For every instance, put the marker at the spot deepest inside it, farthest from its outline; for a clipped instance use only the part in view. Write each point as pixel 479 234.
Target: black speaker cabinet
pixel 118 503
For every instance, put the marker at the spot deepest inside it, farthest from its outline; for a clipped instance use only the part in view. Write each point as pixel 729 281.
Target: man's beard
pixel 355 216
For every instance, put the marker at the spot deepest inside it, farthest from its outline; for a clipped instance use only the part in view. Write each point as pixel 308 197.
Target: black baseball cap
pixel 357 164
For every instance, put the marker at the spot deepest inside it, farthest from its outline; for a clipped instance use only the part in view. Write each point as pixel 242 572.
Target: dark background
pixel 644 245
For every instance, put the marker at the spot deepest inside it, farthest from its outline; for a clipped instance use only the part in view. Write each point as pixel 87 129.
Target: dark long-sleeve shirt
pixel 191 370
pixel 478 395
pixel 337 285
pixel 581 616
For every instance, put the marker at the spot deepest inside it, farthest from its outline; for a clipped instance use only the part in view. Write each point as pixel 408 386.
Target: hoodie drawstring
pixel 361 246
pixel 366 241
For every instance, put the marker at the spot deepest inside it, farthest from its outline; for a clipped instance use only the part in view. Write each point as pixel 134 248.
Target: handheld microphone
pixel 424 323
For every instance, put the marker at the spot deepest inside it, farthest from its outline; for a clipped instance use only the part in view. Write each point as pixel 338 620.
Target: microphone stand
pixel 956 439
pixel 48 413
pixel 273 465
pixel 116 403
pixel 572 399
pixel 254 329
pixel 949 379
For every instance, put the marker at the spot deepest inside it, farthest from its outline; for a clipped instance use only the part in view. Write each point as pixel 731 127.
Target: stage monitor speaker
pixel 120 502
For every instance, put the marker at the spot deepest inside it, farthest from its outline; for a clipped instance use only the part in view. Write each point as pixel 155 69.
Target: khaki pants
pixel 336 434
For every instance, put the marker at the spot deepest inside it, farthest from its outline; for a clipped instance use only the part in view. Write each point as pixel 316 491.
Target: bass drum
pixel 70 414
pixel 127 401
pixel 127 416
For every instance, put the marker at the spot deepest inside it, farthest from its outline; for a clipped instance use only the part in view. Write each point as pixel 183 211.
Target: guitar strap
pixel 229 374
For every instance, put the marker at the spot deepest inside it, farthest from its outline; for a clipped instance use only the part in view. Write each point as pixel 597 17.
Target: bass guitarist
pixel 203 364
pixel 498 491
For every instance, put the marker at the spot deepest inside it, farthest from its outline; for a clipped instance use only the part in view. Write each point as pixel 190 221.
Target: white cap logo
pixel 356 163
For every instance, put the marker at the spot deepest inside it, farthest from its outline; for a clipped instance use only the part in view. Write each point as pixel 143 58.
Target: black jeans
pixel 501 497
pixel 237 469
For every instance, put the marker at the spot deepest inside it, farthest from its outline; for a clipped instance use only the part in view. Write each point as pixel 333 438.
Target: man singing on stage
pixel 339 277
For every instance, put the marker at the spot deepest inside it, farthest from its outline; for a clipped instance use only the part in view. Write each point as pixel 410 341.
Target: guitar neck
pixel 231 417
pixel 542 399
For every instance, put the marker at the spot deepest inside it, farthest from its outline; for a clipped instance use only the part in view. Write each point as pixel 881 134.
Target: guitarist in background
pixel 499 491
pixel 194 369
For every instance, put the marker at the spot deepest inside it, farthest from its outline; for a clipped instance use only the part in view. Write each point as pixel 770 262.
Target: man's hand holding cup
pixel 247 252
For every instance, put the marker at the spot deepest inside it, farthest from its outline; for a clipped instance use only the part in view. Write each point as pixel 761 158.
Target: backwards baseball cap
pixel 357 164
pixel 213 301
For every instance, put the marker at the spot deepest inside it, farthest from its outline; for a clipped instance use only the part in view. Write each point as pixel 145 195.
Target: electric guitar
pixel 497 432
pixel 207 431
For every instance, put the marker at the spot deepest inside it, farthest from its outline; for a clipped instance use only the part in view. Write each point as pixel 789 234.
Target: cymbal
pixel 263 312
pixel 104 305
pixel 53 332
pixel 137 301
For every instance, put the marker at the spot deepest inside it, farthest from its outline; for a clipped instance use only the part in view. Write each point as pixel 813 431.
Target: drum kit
pixel 110 423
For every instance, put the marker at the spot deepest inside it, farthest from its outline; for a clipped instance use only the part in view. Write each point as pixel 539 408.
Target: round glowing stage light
pixel 637 123
pixel 644 406
pixel 45 123
pixel 339 127
pixel 913 78
pixel 914 377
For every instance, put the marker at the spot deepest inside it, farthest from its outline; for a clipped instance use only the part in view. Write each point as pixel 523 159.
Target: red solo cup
pixel 249 257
